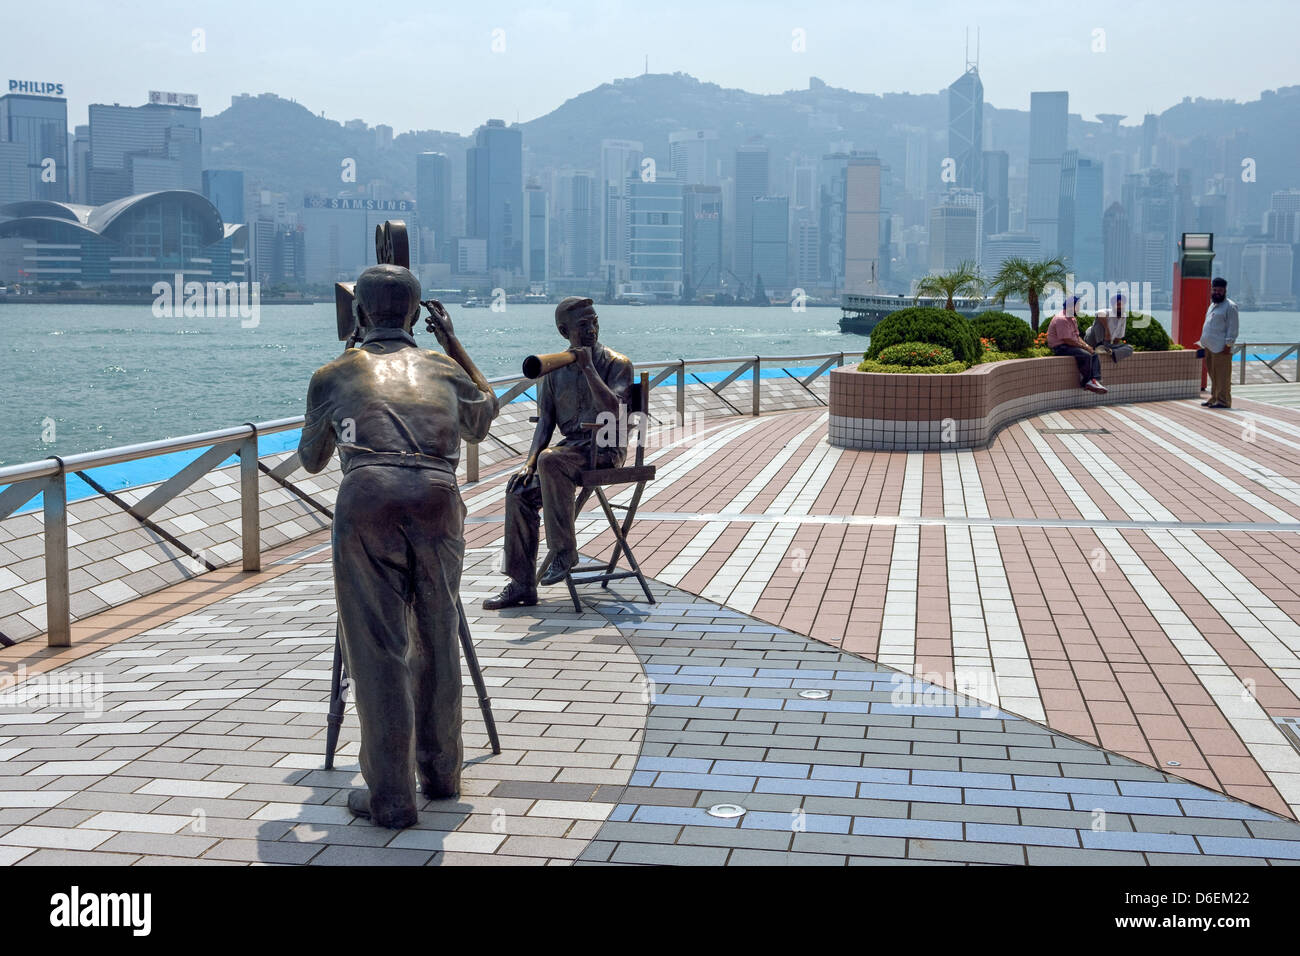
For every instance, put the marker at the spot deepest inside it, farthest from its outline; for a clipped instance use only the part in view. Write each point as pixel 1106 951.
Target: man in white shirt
pixel 1106 334
pixel 1218 335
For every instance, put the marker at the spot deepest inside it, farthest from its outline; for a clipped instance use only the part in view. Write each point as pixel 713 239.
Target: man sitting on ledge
pixel 1063 338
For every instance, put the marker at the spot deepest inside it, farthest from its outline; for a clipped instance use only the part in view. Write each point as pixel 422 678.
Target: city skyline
pixel 503 60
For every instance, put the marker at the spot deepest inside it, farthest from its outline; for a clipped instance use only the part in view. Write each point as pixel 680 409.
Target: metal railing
pixel 48 477
pixel 1247 350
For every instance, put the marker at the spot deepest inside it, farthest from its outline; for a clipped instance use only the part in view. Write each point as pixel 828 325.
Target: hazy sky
pixel 433 66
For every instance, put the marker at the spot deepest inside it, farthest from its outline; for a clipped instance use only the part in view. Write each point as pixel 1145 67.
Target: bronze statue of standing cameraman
pixel 397 414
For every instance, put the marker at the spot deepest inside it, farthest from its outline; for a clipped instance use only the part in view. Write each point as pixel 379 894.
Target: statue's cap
pixel 570 302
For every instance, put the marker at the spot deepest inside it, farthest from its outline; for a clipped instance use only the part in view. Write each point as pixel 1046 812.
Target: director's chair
pixel 594 481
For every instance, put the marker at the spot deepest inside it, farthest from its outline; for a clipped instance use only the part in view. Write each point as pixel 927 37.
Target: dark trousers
pixel 552 489
pixel 1088 362
pixel 399 547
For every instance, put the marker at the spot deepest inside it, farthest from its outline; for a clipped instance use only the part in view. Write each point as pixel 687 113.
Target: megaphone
pixel 535 366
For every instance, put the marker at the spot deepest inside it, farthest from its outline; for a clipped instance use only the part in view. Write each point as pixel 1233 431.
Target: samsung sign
pixel 36 87
pixel 367 205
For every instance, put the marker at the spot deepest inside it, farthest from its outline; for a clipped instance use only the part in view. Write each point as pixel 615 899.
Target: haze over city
pixel 411 66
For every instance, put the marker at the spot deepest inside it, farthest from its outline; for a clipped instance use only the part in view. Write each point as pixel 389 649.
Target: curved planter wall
pixel 930 412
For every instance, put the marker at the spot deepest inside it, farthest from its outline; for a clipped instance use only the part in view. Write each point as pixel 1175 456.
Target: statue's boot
pixel 560 567
pixel 441 786
pixel 515 594
pixel 395 818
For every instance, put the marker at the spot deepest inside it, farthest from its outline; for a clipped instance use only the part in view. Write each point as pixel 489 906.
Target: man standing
pixel 397 413
pixel 567 398
pixel 1063 338
pixel 1218 335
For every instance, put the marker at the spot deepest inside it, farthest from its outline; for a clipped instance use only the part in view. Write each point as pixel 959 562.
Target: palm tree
pixel 1030 279
pixel 964 280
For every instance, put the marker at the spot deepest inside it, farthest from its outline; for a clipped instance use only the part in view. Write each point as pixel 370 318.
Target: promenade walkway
pixel 1113 591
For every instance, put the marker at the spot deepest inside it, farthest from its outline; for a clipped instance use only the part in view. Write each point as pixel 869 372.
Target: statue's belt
pixel 400 459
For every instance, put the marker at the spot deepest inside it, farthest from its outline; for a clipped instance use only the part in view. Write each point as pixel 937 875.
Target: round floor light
pixel 726 811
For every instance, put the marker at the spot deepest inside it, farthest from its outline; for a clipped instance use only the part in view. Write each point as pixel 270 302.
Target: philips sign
pixel 35 87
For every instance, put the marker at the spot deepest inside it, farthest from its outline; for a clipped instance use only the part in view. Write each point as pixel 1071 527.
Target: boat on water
pixel 861 311
pixel 473 302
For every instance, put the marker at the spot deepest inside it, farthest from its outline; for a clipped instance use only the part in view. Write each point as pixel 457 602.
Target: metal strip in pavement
pixel 1262 527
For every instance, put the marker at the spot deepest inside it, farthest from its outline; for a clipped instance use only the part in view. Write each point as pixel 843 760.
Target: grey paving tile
pixel 966 852
pixel 1065 856
pixel 167 844
pixel 265 851
pixel 76 858
pixel 669 855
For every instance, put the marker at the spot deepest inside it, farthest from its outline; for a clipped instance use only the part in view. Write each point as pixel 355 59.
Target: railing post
pixel 471 461
pixel 681 393
pixel 1242 379
pixel 250 502
pixel 758 394
pixel 58 611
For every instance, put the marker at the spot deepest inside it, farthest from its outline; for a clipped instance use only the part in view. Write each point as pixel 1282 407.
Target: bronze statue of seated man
pixel 578 393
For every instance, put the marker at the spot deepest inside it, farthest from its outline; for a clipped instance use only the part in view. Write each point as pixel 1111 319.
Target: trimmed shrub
pixel 929 325
pixel 915 354
pixel 993 355
pixel 1149 338
pixel 1009 333
pixel 950 368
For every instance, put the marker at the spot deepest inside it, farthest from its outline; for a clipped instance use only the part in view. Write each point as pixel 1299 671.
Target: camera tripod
pixel 339 689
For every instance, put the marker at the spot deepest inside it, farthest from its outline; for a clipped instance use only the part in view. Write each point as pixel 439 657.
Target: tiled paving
pixel 1114 591
pixel 1126 575
pixel 836 760
pixel 621 727
pixel 209 744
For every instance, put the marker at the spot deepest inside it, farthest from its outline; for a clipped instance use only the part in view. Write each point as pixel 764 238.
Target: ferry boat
pixel 473 302
pixel 860 311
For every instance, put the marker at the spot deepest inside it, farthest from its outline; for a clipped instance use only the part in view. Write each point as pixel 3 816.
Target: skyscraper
pixel 862 177
pixel 654 224
pixel 994 185
pixel 752 178
pixel 495 194
pixel 135 149
pixel 577 209
pixel 433 204
pixel 225 190
pixel 40 123
pixel 771 244
pixel 830 220
pixel 81 164
pixel 954 235
pixel 1080 228
pixel 1001 246
pixel 702 236
pixel 966 127
pixel 1266 273
pixel 693 156
pixel 620 160
pixel 536 235
pixel 1048 119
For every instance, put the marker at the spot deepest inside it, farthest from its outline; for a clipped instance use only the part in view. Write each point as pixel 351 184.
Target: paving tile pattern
pixel 876 767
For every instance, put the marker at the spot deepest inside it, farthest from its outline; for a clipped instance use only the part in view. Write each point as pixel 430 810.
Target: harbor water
pixel 80 378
